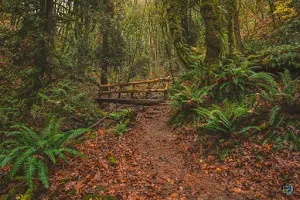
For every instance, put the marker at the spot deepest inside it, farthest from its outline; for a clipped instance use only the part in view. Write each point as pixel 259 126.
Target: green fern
pixel 21 159
pixel 30 170
pixel 226 119
pixel 185 99
pixel 42 169
pixel 234 82
pixel 274 114
pixel 120 129
pixel 31 152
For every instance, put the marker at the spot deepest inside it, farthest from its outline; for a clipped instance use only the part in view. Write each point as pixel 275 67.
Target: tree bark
pixel 175 11
pixel 231 31
pixel 209 14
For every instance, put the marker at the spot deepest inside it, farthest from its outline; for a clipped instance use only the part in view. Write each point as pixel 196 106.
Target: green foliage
pixel 226 119
pixel 124 119
pixel 185 99
pixel 234 82
pixel 285 56
pixel 285 94
pixel 10 111
pixel 274 116
pixel 66 99
pixel 120 129
pixel 289 88
pixel 122 115
pixel 277 58
pixel 282 129
pixel 112 160
pixel 32 152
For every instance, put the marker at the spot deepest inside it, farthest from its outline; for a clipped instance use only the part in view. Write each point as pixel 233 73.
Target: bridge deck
pixel 145 102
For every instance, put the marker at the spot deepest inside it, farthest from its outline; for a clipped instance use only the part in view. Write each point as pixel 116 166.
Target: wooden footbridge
pixel 137 92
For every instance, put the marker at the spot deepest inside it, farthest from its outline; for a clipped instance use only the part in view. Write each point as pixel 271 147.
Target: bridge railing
pixel 133 87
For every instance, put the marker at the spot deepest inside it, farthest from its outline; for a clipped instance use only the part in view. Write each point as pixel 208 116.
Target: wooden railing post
pixel 167 87
pixel 109 94
pixel 133 89
pixel 121 88
pixel 148 92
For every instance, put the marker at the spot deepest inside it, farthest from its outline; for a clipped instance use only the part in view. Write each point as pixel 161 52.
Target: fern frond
pixel 60 155
pixel 50 155
pixel 239 112
pixel 10 143
pixel 56 140
pixel 76 132
pixel 29 132
pixel 14 133
pixel 20 160
pixel 273 114
pixel 248 128
pixel 51 129
pixel 12 155
pixel 2 157
pixel 43 173
pixel 30 170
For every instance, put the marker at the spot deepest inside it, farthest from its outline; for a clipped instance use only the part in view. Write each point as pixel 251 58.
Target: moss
pixel 209 13
pixel 175 12
pixel 253 57
pixel 28 195
pixel 231 33
pixel 72 192
pixel 93 136
pixel 4 197
pixel 265 62
pixel 112 161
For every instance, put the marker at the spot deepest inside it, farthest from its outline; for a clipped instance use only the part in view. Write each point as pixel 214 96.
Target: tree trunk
pixel 104 66
pixel 237 30
pixel 175 12
pixel 209 14
pixel 44 43
pixel 106 29
pixel 272 10
pixel 231 31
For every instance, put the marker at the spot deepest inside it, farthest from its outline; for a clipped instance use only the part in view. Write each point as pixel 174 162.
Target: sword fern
pixel 32 153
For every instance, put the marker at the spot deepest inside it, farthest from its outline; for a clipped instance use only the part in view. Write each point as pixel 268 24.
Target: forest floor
pixel 152 161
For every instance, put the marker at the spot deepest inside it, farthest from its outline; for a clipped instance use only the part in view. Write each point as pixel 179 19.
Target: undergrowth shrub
pixel 10 111
pixel 31 153
pixel 185 99
pixel 120 129
pixel 228 118
pixel 235 82
pixel 252 95
pixel 278 58
pixel 66 100
pixel 124 119
pixel 286 94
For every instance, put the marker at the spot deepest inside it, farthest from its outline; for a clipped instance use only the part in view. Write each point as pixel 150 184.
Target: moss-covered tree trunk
pixel 106 30
pixel 176 11
pixel 209 13
pixel 237 30
pixel 231 32
pixel 45 42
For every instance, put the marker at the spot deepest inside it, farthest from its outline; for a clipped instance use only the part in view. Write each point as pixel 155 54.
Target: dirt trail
pixel 167 156
pixel 149 162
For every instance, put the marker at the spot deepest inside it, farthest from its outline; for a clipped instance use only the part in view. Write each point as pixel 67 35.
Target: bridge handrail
pixel 136 82
pixel 111 88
